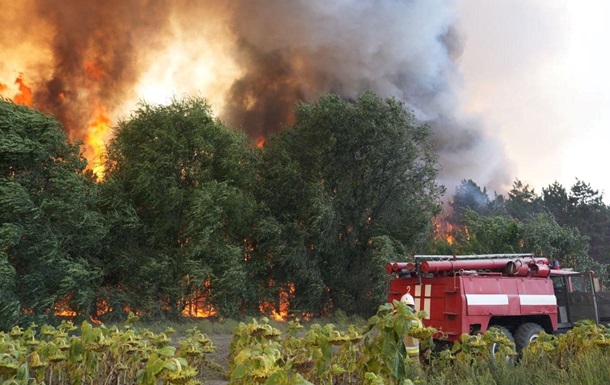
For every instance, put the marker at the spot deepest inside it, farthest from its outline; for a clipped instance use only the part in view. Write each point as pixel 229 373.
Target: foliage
pixel 177 192
pixel 569 226
pixel 50 230
pixel 95 355
pixel 351 185
pixel 373 354
pixel 584 209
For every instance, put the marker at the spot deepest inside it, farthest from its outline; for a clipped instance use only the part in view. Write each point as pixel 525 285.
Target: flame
pixel 260 142
pixel 198 309
pixel 62 308
pixel 197 305
pixel 23 96
pixel 25 93
pixel 279 312
pixel 99 131
pixel 444 230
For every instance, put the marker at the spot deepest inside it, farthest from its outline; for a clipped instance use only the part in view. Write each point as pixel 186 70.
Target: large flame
pixel 98 133
pixel 98 130
pixel 197 305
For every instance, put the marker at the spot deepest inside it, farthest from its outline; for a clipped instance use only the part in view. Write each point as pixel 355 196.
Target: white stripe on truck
pixel 486 299
pixel 502 299
pixel 537 299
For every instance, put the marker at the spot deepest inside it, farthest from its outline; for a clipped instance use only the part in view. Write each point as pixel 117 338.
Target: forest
pixel 191 219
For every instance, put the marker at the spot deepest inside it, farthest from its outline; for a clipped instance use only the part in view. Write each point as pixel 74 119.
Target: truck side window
pixel 559 283
pixel 578 283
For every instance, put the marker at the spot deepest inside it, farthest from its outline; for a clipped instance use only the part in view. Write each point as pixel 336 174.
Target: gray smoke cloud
pixel 285 51
pixel 408 49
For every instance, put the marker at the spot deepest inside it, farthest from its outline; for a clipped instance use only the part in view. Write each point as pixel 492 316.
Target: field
pixel 260 351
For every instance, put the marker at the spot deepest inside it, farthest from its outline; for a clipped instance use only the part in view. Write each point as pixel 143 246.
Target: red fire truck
pixel 518 293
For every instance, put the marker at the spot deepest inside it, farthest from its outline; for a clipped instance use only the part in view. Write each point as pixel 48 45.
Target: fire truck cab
pixel 519 293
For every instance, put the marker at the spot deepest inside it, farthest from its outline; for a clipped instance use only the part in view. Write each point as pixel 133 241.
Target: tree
pixel 50 231
pixel 584 209
pixel 522 201
pixel 469 196
pixel 556 201
pixel 353 186
pixel 539 234
pixel 178 194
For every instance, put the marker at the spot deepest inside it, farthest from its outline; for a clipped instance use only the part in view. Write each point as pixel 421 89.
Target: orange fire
pixel 197 305
pixel 444 230
pixel 25 93
pixel 198 309
pixel 62 308
pixel 260 142
pixel 279 311
pixel 24 96
pixel 99 131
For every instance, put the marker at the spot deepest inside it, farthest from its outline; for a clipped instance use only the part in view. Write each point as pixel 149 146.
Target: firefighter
pixel 411 343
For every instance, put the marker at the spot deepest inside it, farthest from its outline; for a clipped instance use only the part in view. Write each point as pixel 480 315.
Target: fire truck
pixel 518 293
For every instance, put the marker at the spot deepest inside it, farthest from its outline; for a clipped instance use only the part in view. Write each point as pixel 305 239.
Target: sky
pixel 536 73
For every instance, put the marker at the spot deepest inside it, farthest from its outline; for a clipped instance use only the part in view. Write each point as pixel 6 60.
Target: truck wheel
pixel 526 333
pixel 508 334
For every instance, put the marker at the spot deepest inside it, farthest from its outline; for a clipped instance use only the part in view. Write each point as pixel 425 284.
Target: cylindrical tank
pixel 479 264
pixel 395 267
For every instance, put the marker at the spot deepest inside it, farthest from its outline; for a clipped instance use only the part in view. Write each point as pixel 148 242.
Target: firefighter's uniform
pixel 411 343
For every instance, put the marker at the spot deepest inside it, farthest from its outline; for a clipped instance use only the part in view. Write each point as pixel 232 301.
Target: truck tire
pixel 508 334
pixel 526 333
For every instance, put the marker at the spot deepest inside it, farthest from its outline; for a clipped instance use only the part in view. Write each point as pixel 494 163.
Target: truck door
pixel 581 298
pixel 560 286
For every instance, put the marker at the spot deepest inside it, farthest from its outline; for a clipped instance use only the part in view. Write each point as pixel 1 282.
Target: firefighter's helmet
pixel 407 299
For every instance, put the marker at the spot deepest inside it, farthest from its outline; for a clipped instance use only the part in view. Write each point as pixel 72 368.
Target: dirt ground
pixel 221 357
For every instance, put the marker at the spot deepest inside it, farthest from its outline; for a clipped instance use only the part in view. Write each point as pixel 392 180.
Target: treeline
pixel 188 211
pixel 572 227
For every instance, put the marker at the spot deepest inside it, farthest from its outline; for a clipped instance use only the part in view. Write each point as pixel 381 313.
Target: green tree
pixel 178 195
pixel 522 201
pixel 556 201
pixel 50 232
pixel 591 216
pixel 539 234
pixel 583 208
pixel 352 185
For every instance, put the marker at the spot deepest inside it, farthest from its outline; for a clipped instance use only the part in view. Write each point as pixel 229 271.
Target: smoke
pixel 407 49
pixel 253 59
pixel 95 51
